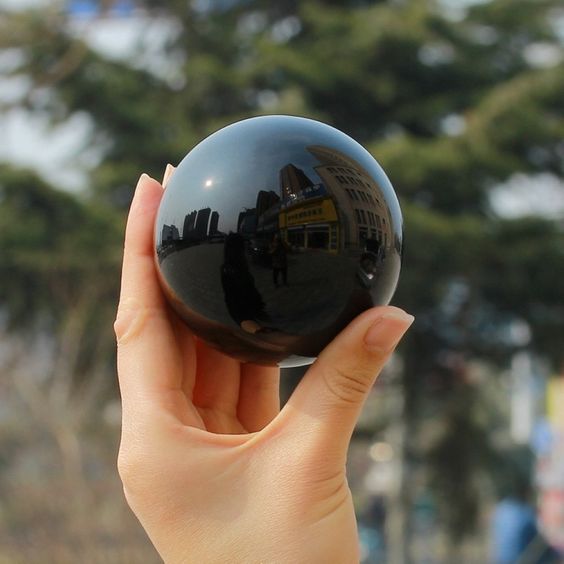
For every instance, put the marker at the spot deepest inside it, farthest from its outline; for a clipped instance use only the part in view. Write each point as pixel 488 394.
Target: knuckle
pixel 130 321
pixel 124 322
pixel 349 384
pixel 120 328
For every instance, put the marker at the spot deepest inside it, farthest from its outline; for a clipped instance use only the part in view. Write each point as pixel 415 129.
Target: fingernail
pixel 167 174
pixel 385 333
pixel 144 176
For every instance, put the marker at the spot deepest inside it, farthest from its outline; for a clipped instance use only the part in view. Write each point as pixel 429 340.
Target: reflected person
pixel 279 250
pixel 243 300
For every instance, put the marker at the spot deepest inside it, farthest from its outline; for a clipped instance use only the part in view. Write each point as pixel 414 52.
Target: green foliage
pixel 60 260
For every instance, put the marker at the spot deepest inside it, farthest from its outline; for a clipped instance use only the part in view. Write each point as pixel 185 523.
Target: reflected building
pixel 364 219
pixel 268 210
pixel 169 235
pixel 293 181
pixel 308 218
pixel 247 221
pixel 259 224
pixel 189 223
pixel 214 220
pixel 201 228
pixel 202 225
pixel 343 210
pixel 263 218
pixel 194 230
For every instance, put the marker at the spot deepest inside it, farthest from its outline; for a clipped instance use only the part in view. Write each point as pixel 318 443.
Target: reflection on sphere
pixel 273 234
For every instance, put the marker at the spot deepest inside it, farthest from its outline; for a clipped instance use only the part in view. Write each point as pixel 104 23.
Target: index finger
pixel 139 281
pixel 150 363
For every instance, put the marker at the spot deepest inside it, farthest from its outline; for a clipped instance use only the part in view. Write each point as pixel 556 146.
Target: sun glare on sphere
pixel 208 183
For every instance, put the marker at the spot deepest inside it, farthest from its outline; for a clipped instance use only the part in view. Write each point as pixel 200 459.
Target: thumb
pixel 325 406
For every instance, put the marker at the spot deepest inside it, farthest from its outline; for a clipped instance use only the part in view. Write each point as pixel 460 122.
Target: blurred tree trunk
pixel 399 499
pixel 46 384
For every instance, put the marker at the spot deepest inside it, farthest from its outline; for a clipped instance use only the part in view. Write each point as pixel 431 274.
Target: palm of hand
pixel 230 458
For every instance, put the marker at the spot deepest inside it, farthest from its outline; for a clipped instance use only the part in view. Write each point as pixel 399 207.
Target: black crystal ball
pixel 273 234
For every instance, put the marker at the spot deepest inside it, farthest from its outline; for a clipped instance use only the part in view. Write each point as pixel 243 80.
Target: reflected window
pixel 372 245
pixel 334 237
pixel 296 237
pixel 357 215
pixel 363 216
pixel 318 237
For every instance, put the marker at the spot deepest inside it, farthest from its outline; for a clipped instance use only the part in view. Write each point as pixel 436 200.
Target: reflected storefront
pixel 311 225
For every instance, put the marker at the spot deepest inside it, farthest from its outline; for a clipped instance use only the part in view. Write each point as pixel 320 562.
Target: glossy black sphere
pixel 273 234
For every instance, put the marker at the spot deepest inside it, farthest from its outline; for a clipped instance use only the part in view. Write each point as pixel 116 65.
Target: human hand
pixel 212 468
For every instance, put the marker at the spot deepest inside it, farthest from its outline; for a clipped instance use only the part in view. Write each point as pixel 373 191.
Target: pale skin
pixel 211 466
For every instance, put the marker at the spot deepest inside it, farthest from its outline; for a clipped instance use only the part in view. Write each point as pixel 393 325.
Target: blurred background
pixel 459 456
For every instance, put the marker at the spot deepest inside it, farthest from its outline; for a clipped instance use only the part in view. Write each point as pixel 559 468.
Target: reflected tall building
pixel 268 209
pixel 214 220
pixel 201 228
pixel 200 224
pixel 266 200
pixel 247 221
pixel 293 180
pixel 189 223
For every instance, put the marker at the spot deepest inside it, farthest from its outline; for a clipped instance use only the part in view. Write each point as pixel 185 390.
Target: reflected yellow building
pixel 311 224
pixel 342 211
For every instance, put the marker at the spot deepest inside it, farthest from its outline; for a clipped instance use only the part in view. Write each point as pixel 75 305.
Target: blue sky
pixel 92 7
